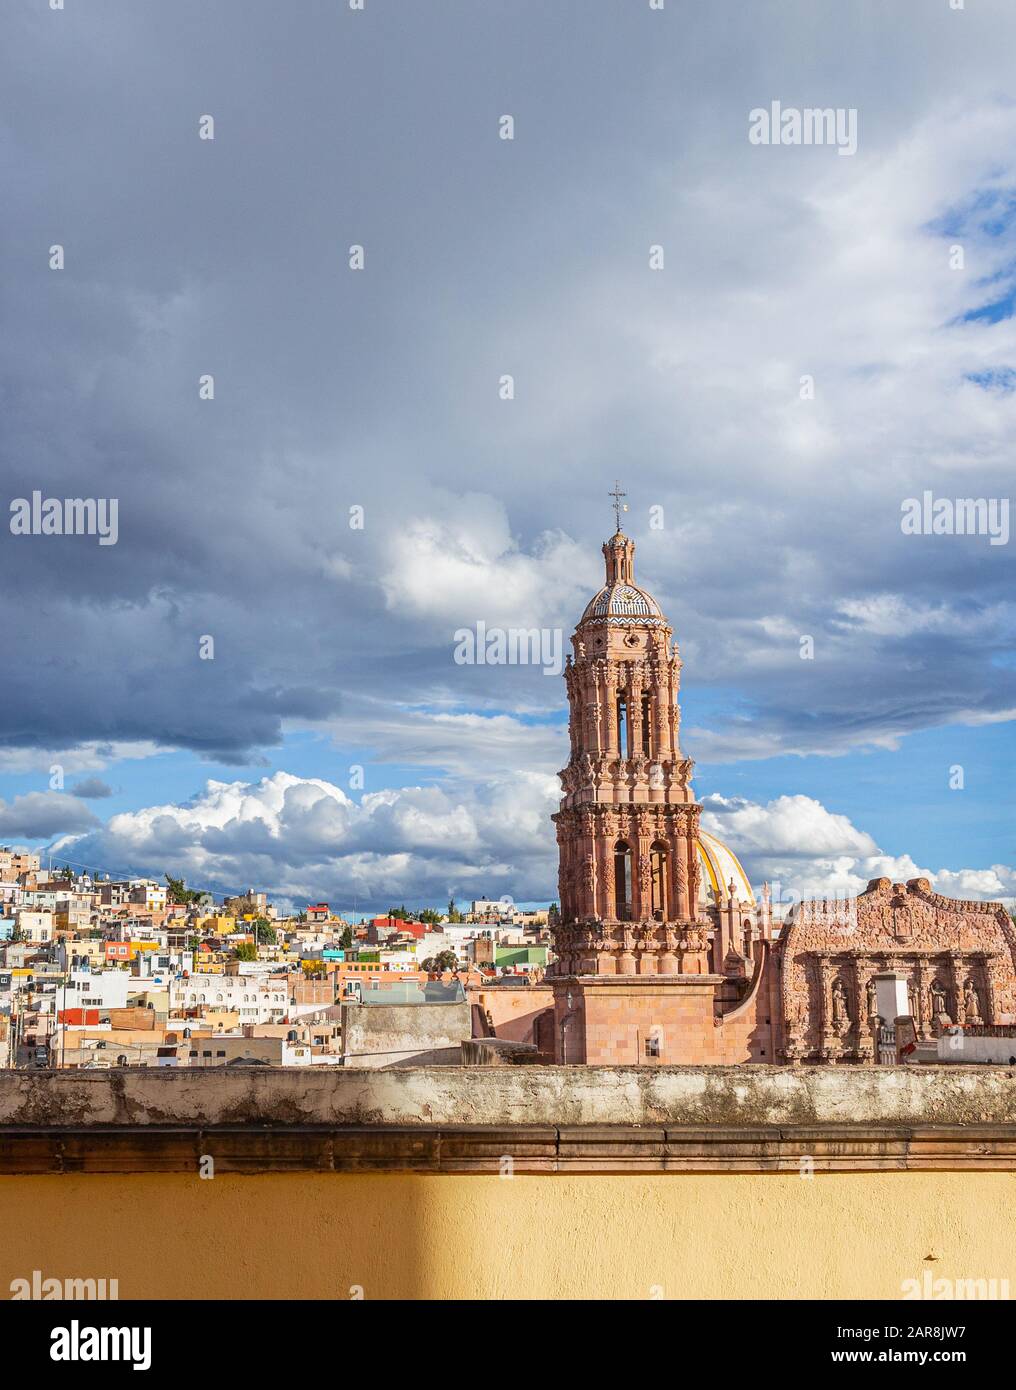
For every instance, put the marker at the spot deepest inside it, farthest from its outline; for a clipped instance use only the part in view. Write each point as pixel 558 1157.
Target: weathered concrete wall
pixel 554 1096
pixel 404 1035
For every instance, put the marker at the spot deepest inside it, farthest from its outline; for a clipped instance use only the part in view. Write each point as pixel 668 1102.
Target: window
pixel 652 1047
pixel 647 726
pixel 622 882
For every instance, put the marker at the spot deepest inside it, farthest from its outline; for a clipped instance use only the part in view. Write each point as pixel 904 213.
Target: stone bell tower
pixel 632 980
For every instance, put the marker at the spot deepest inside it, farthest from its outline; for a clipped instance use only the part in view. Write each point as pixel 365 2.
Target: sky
pixel 772 346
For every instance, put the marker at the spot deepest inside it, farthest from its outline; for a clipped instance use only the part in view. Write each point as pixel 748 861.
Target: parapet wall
pixel 549 1119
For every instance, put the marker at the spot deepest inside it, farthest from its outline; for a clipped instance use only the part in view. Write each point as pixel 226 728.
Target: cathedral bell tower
pixel 627 830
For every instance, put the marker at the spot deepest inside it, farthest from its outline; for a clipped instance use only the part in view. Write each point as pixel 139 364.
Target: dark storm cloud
pixel 91 789
pixel 379 388
pixel 39 815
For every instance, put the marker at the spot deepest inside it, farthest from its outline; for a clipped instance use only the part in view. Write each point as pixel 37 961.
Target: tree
pixel 444 960
pixel 429 916
pixel 401 914
pixel 179 893
pixel 454 915
pixel 264 932
pixel 246 950
pixel 346 939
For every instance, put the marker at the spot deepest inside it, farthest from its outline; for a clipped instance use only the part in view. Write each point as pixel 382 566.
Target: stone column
pixel 925 973
pixel 678 856
pixel 667 964
pixel 991 1009
pixel 673 684
pixel 604 905
pixel 642 868
pixel 694 867
pixel 564 872
pixel 656 713
pixel 635 709
pixel 626 960
pixel 610 699
pixel 866 1024
pixel 958 1010
pixel 827 1037
pixel 574 704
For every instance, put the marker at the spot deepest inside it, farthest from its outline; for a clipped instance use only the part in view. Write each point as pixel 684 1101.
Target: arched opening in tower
pixel 622 881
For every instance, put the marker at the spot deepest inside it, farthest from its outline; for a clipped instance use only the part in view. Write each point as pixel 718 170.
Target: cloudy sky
pixel 332 747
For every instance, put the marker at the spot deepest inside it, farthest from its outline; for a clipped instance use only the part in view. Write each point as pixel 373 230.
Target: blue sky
pixel 332 748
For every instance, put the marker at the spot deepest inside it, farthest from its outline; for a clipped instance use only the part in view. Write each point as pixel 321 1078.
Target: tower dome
pixel 621 602
pixel 721 867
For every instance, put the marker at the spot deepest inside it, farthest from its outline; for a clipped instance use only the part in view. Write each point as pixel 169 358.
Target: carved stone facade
pixel 958 960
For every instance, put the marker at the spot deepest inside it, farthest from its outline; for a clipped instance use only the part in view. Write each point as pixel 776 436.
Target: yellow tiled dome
pixel 721 865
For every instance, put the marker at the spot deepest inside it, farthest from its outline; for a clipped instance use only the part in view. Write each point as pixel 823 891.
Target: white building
pixel 98 989
pixel 35 926
pixel 266 1001
pixel 456 938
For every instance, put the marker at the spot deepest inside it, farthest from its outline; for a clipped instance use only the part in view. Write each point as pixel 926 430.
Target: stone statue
pixel 872 1000
pixel 841 1013
pixel 971 1006
pixel 938 1008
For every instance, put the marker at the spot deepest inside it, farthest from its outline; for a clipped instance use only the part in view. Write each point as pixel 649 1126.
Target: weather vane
pixel 619 506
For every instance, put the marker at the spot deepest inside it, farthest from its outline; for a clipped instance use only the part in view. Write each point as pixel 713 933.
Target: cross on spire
pixel 619 507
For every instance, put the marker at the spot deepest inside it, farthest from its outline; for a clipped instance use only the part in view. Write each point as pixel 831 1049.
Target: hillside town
pixel 100 973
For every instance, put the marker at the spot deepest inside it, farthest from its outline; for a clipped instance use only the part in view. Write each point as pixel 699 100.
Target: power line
pixel 123 874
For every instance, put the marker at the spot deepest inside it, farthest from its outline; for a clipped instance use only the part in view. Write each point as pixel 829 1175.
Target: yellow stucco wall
pixel 851 1235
